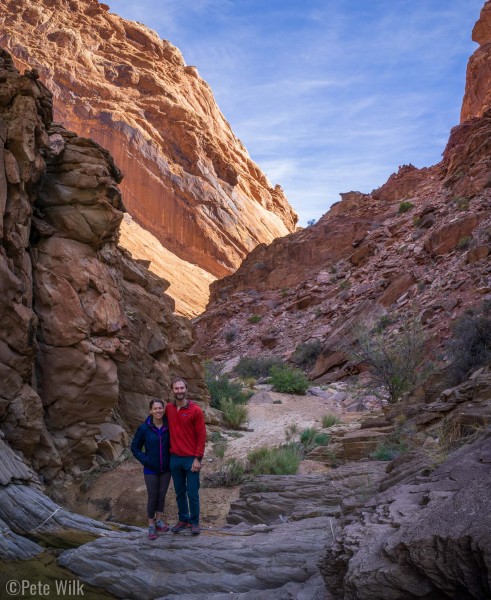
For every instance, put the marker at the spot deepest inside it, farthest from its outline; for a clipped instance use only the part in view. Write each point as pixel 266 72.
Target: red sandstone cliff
pixel 188 179
pixel 367 257
pixel 87 335
pixel 477 97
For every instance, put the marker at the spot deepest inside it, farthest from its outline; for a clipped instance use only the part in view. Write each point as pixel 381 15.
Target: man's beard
pixel 180 396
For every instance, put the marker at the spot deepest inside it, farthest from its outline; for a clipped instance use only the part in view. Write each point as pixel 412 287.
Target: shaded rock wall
pixel 424 539
pixel 87 334
pixel 189 180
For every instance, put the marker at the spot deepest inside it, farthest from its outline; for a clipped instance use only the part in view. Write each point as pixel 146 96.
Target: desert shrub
pixel 221 387
pixel 291 431
pixel 329 420
pixel 306 354
pixel 230 335
pixel 256 366
pixel 448 437
pixel 288 380
pixel 388 450
pixel 216 437
pixel 383 322
pixel 219 448
pixel 311 438
pixel 396 443
pixel 405 206
pixel 230 474
pixel 461 203
pixel 395 361
pixel 254 318
pixel 470 346
pixel 464 242
pixel 283 460
pixel 235 415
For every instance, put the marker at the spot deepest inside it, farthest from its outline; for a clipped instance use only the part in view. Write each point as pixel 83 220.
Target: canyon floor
pixel 119 495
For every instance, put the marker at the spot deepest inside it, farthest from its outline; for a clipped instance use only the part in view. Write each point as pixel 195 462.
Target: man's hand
pixel 196 466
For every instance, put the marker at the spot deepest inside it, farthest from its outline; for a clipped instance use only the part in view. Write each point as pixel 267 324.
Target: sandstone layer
pixel 188 179
pixel 87 335
pixel 190 290
pixel 418 246
pixel 477 98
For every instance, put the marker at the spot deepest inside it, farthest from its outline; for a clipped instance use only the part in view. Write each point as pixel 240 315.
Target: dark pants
pixel 157 486
pixel 186 484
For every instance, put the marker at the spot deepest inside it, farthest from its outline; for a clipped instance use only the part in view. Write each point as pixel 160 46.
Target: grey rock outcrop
pixel 278 561
pixel 426 539
pixel 270 498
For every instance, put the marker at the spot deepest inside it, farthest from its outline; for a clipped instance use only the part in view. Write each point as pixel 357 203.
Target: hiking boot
pixel 180 526
pixel 161 527
pixel 195 529
pixel 152 535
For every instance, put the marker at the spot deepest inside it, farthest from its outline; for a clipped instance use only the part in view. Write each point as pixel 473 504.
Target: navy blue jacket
pixel 155 457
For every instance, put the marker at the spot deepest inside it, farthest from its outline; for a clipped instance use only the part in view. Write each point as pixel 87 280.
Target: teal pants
pixel 186 485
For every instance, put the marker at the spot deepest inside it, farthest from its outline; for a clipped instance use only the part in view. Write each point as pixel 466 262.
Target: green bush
pixel 306 354
pixel 388 449
pixel 311 438
pixel 219 448
pixel 235 415
pixel 230 335
pixel 283 460
pixel 288 380
pixel 256 366
pixel 405 207
pixel 254 318
pixel 291 431
pixel 470 346
pixel 329 420
pixel 461 203
pixel 464 242
pixel 221 387
pixel 383 322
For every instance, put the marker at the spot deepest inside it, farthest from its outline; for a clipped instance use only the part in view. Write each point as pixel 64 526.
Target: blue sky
pixel 328 96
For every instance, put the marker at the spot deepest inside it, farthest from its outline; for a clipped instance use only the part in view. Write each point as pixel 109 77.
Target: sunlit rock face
pixel 87 335
pixel 188 179
pixel 477 98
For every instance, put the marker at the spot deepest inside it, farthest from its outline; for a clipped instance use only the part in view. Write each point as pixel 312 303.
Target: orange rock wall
pixel 477 96
pixel 87 334
pixel 188 179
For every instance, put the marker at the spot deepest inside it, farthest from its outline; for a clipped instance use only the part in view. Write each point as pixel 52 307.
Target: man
pixel 187 446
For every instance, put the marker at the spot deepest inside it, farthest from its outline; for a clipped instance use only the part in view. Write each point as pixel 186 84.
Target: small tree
pixel 289 381
pixel 394 360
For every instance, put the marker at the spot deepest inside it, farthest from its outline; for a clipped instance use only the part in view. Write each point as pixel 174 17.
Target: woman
pixel 153 435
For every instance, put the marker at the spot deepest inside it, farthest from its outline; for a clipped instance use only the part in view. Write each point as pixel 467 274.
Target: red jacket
pixel 187 429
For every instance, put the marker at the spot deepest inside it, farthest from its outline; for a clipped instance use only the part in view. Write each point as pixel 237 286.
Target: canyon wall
pixel 477 97
pixel 419 243
pixel 87 335
pixel 188 179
